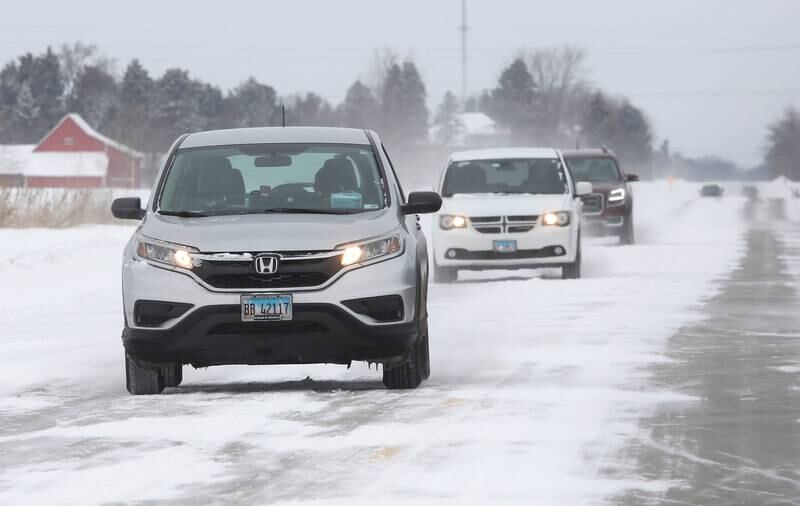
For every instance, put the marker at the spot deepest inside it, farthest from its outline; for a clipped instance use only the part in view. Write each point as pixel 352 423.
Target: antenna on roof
pixel 577 143
pixel 283 115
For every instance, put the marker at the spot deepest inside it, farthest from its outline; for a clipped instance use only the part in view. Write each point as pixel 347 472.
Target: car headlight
pixel 616 196
pixel 559 218
pixel 448 221
pixel 367 251
pixel 167 253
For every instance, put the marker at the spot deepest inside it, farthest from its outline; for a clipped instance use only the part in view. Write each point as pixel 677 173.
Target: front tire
pixel 410 373
pixel 173 375
pixel 573 270
pixel 142 378
pixel 627 235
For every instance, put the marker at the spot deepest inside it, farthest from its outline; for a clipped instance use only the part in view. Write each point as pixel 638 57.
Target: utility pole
pixel 464 30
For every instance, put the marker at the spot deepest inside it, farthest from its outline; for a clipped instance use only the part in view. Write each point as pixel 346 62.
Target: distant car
pixel 750 191
pixel 508 209
pixel 711 190
pixel 608 210
pixel 276 246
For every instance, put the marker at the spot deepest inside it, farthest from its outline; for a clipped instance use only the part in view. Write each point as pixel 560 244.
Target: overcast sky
pixel 711 74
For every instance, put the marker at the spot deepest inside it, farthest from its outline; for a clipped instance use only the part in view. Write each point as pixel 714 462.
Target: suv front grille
pixel 251 281
pixel 592 203
pixel 294 271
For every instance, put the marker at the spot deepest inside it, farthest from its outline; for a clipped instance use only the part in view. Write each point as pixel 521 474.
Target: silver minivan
pixel 276 246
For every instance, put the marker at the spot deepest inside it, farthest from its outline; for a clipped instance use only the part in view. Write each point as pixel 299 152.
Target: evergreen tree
pixel 359 109
pixel 448 125
pixel 25 111
pixel 251 104
pixel 133 122
pixel 403 109
pixel 391 102
pixel 309 110
pixel 38 79
pixel 513 102
pixel 210 105
pixel 597 123
pixel 633 138
pixel 415 96
pixel 783 146
pixel 94 97
pixel 179 105
pixel 47 88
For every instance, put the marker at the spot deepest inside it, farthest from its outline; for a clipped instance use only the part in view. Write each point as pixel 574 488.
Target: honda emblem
pixel 266 264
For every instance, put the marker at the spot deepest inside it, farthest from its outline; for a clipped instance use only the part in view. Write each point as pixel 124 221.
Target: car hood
pixel 606 186
pixel 504 205
pixel 269 232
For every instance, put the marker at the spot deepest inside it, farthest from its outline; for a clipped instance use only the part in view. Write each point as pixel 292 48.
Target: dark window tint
pixel 256 178
pixel 532 175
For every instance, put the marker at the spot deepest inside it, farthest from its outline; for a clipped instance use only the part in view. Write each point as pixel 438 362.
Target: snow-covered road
pixel 533 400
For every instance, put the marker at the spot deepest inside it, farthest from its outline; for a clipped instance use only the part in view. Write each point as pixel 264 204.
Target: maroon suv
pixel 609 209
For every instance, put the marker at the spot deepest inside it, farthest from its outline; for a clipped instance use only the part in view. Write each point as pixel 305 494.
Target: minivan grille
pixel 504 224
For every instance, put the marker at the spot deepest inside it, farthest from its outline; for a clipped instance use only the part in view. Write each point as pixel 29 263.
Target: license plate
pixel 259 308
pixel 505 246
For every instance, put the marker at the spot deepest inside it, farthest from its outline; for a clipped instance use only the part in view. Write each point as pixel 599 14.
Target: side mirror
pixel 631 178
pixel 422 203
pixel 128 208
pixel 583 188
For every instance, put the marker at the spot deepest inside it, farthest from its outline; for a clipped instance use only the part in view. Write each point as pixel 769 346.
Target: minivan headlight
pixel 167 253
pixel 449 221
pixel 559 218
pixel 616 196
pixel 367 251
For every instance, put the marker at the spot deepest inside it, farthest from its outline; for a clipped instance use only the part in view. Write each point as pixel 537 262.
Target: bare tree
pixel 382 60
pixel 77 56
pixel 559 77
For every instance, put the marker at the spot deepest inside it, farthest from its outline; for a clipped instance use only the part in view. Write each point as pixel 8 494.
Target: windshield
pixel 515 176
pixel 338 179
pixel 594 170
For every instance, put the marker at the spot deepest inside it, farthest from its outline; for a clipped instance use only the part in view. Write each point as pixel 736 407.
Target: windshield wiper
pixel 183 214
pixel 299 210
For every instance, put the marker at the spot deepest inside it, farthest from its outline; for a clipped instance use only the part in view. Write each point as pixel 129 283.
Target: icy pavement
pixel 738 440
pixel 538 384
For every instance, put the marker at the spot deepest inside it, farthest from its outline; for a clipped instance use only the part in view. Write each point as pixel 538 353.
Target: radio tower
pixel 464 30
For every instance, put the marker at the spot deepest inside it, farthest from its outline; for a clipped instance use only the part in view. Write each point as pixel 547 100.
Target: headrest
pixel 213 175
pixel 336 175
pixel 468 179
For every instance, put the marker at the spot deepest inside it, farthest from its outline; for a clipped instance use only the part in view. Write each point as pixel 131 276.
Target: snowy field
pixel 531 400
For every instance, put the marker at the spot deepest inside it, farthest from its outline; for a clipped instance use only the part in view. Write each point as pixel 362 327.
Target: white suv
pixel 276 246
pixel 508 209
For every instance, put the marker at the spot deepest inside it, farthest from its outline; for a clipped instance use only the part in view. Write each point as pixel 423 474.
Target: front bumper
pixel 609 222
pixel 323 328
pixel 318 333
pixel 469 249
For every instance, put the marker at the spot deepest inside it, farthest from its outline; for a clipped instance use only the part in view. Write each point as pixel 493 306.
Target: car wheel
pixel 627 237
pixel 173 375
pixel 142 378
pixel 444 274
pixel 409 373
pixel 425 353
pixel 573 270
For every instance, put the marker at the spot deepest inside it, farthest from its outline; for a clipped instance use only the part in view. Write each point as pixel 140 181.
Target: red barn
pixel 72 155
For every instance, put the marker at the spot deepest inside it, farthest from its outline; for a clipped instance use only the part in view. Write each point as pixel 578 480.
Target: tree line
pixel 542 97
